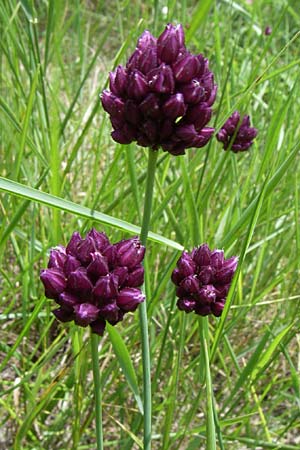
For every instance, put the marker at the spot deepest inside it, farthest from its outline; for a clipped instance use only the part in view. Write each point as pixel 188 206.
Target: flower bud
pixel 130 252
pixel 186 68
pixel 186 304
pixel 98 326
pixel 169 43
pixel 72 245
pixel 207 294
pixel 186 265
pixel 100 239
pixel 150 106
pixel 193 92
pixel 118 81
pixel 110 312
pixel 106 288
pixel 124 135
pixel 57 258
pixel 63 315
pixel 85 249
pixel 202 255
pixel 217 307
pixel 85 313
pixel 71 264
pixel 191 284
pixel 98 267
pixel 79 283
pixel 161 80
pixel 129 299
pixel 68 301
pixel 224 275
pixel 174 107
pixel 122 274
pixel 136 277
pixel 54 282
pixel 137 86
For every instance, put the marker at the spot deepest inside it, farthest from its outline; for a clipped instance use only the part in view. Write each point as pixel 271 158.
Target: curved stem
pixel 97 390
pixel 143 307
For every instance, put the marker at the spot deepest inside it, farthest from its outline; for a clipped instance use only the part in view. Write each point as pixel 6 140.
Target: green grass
pixel 61 171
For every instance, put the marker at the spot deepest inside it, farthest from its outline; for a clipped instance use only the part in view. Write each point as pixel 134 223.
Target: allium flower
pixel 93 280
pixel 163 97
pixel 241 131
pixel 203 280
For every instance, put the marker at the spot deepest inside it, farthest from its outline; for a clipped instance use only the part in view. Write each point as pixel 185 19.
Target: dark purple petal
pixel 207 294
pixel 71 264
pixel 150 106
pixel 98 326
pixel 110 312
pixel 186 265
pixel 205 274
pixel 202 255
pixel 54 282
pixel 63 315
pixel 129 299
pixel 217 258
pixel 72 245
pixel 124 135
pixel 112 104
pixel 186 68
pixel 193 92
pixel 100 239
pixel 198 115
pixel 186 304
pixel 98 266
pixel 191 284
pixel 136 277
pixel 169 43
pixel 85 313
pixel 217 307
pixel 202 309
pixel 225 274
pixel 57 258
pixel 130 252
pixel 85 249
pixel 67 301
pixel 80 284
pixel 174 107
pixel 118 81
pixel 161 80
pixel 137 86
pixel 106 288
pixel 122 274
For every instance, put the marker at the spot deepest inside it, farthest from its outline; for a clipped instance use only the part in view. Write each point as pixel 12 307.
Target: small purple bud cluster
pixel 203 280
pixel 93 280
pixel 242 131
pixel 163 97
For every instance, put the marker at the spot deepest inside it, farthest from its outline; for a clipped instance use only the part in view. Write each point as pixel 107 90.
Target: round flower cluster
pixel 163 97
pixel 236 133
pixel 203 280
pixel 93 280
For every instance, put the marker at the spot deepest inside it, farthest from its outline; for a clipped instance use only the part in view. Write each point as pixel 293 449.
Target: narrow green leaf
pixel 125 362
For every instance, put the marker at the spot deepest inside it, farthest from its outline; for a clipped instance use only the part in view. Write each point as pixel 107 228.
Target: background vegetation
pixel 55 138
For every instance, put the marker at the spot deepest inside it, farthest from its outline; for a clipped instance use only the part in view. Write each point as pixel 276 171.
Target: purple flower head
pixel 163 97
pixel 237 134
pixel 202 278
pixel 94 281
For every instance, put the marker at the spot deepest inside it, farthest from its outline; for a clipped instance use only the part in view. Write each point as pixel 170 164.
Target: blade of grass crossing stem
pixel 20 190
pixel 247 241
pixel 125 362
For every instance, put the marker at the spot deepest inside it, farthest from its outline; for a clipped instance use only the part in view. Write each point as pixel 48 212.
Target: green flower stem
pixel 97 390
pixel 143 307
pixel 210 422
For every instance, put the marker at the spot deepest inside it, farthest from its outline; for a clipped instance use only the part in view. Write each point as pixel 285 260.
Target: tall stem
pixel 210 423
pixel 143 307
pixel 97 390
